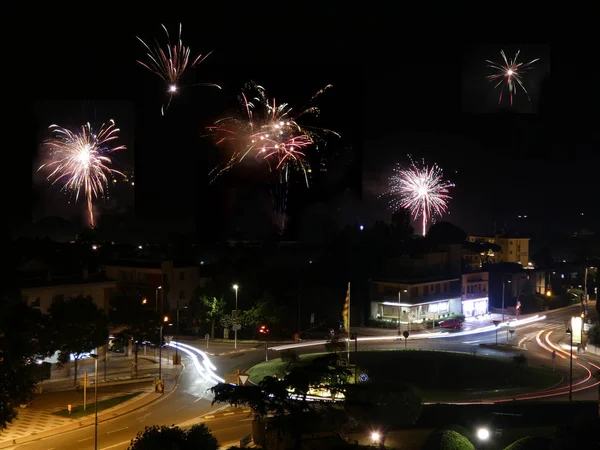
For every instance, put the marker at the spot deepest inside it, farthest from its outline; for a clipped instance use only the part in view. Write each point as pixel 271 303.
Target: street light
pixel 400 307
pixel 503 286
pixel 95 400
pixel 570 331
pixel 177 332
pixel 483 434
pixel 160 339
pixel 235 288
pixel 157 289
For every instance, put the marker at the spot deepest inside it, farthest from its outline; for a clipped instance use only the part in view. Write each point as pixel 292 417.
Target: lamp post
pixel 95 399
pixel 570 331
pixel 177 332
pixel 400 307
pixel 235 288
pixel 160 340
pixel 157 289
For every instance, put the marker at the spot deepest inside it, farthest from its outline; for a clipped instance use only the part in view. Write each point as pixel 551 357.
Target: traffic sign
pixel 553 354
pixel 363 377
pixel 406 334
pixel 237 327
pixel 243 379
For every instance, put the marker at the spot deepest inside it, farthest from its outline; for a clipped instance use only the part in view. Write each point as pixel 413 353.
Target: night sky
pixel 390 99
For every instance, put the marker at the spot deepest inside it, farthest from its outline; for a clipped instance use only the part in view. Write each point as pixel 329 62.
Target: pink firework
pixel 269 132
pixel 509 74
pixel 170 64
pixel 421 190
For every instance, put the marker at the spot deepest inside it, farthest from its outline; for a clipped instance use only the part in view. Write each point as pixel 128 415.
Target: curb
pixel 82 423
pixel 227 414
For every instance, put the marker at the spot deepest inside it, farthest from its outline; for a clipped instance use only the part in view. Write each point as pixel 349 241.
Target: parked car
pixel 451 323
pixel 317 333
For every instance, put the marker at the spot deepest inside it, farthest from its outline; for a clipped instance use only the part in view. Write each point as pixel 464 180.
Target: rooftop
pixel 415 281
pixel 65 281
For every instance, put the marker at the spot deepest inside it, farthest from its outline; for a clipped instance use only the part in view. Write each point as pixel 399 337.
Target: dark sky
pixel 392 97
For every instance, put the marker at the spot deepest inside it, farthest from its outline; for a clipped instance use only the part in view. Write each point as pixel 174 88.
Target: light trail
pixel 557 348
pixel 437 335
pixel 206 368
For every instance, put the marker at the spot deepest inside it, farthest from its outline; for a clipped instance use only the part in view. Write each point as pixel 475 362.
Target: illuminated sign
pixel 576 326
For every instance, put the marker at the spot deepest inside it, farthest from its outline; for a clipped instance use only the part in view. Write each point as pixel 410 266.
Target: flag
pixel 346 311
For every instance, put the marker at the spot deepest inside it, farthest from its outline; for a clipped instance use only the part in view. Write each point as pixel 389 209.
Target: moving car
pixel 451 323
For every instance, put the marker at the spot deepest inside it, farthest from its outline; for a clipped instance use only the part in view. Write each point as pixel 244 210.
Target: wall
pixel 100 292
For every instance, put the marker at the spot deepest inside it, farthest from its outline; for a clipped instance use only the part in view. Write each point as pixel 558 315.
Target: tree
pixel 24 337
pixel 141 323
pixel 79 327
pixel 263 311
pixel 205 307
pixel 594 335
pixel 272 396
pixel 174 438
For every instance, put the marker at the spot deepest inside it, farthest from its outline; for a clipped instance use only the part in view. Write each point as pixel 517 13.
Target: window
pixel 181 275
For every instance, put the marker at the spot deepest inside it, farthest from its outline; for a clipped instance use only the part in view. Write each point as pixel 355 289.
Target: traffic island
pixel 440 376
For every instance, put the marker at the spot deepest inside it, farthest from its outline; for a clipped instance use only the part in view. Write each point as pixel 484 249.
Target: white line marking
pixel 81 440
pixel 472 342
pixel 228 414
pixel 117 445
pixel 114 431
pixel 183 407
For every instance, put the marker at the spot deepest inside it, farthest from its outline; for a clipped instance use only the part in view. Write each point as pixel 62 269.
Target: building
pixel 415 300
pixel 512 249
pixel 41 294
pixel 475 293
pixel 164 282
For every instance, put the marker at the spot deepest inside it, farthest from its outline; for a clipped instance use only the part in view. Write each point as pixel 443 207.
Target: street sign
pixel 496 322
pixel 363 377
pixel 231 378
pixel 235 313
pixel 243 379
pixel 237 327
pixel 553 354
pixel 511 330
pixel 406 334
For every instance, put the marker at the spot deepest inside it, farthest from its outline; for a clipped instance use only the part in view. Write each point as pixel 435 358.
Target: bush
pixel 447 440
pixel 531 443
pixel 594 335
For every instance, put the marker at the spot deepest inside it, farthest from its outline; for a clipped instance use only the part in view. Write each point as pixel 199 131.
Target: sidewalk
pixel 38 420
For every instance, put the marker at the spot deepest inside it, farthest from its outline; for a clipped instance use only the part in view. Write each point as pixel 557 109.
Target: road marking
pixel 120 444
pixel 228 414
pixel 183 407
pixel 247 420
pixel 472 342
pixel 114 431
pixel 86 439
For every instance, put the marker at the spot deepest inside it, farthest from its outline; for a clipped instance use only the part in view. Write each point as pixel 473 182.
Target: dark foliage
pixel 157 437
pixel 24 337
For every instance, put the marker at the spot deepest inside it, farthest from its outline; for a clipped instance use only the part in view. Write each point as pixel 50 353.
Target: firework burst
pixel 421 190
pixel 509 74
pixel 270 132
pixel 80 161
pixel 171 63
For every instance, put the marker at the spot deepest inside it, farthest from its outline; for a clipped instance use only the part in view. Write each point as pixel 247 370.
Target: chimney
pixel 85 273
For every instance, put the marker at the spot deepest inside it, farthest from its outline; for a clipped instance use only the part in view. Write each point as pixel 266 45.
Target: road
pixel 190 399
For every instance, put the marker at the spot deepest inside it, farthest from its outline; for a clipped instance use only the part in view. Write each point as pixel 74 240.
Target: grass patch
pixel 77 411
pixel 441 376
pixel 438 372
pixel 278 367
